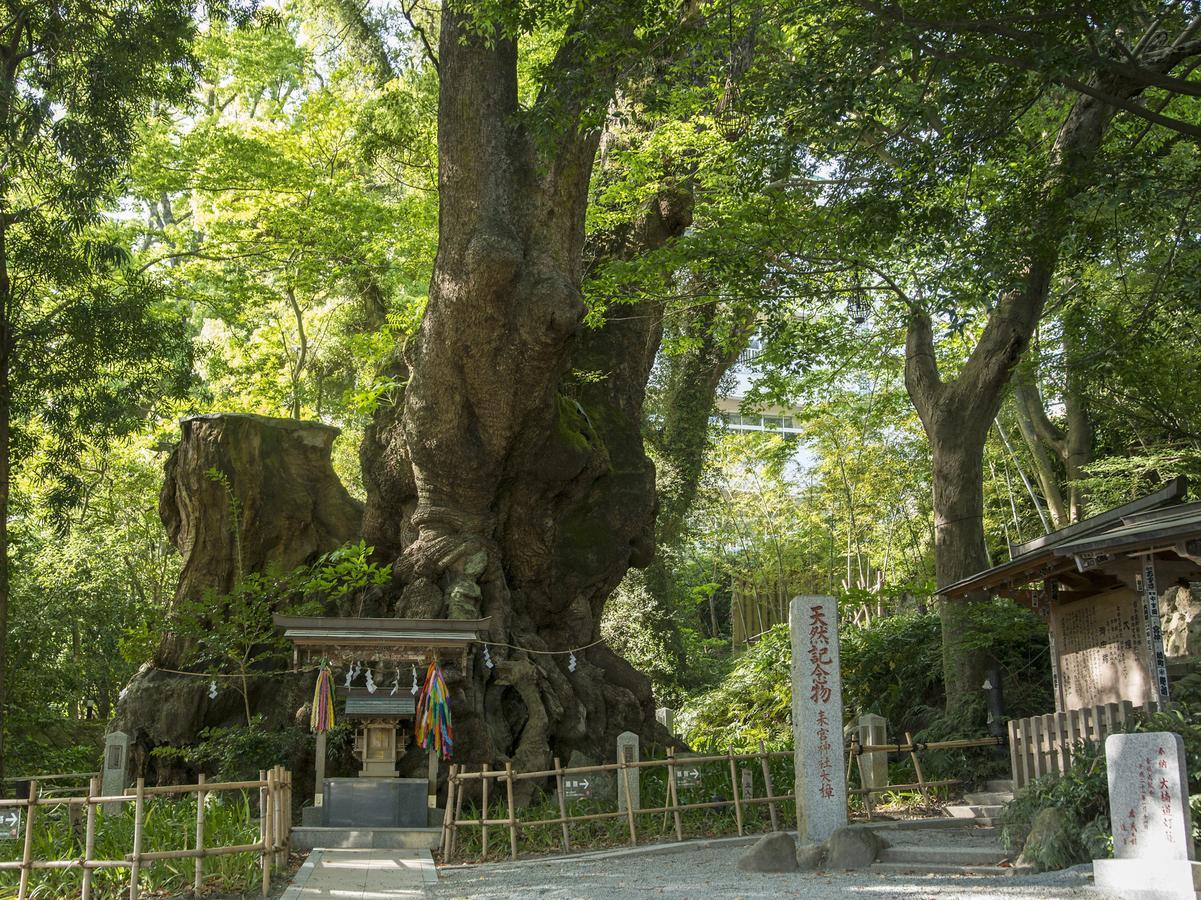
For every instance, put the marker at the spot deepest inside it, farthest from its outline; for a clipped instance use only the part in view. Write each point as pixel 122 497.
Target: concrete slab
pixel 308 838
pixel 363 875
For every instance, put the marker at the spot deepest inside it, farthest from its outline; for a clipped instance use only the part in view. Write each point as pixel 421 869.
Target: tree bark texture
pixel 957 414
pixel 242 494
pixel 501 486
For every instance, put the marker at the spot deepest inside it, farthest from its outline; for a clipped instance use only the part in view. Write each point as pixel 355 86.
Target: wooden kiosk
pixel 1100 585
pixel 356 811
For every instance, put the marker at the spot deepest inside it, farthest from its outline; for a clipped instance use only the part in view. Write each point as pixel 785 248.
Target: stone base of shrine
pixel 310 838
pixel 1148 879
pixel 375 803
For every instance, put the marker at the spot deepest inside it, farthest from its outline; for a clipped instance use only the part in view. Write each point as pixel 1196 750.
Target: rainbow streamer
pixel 322 719
pixel 433 714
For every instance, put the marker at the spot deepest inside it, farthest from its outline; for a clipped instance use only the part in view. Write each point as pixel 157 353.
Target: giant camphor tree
pixel 503 488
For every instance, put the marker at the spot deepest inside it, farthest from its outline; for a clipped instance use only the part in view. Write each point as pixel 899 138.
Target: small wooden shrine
pixel 377 665
pixel 1099 584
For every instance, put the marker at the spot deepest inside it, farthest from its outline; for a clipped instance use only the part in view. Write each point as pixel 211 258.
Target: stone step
pixel 891 868
pixel 973 811
pixel 950 855
pixel 1001 785
pixel 309 838
pixel 987 798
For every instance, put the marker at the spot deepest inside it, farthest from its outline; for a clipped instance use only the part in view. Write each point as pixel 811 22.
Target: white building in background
pixel 778 419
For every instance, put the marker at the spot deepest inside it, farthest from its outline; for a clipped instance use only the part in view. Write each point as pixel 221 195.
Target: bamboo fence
pixel 460 779
pixel 275 829
pixel 624 770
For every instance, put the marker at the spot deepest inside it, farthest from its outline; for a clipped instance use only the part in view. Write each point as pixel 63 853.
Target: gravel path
pixel 703 873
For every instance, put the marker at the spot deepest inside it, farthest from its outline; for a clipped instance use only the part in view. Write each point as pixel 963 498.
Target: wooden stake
pixel 512 811
pixel 673 793
pixel 625 775
pixel 288 818
pixel 484 815
pixel 444 844
pixel 454 823
pixel 917 768
pixel 281 824
pixel 139 808
pixel 89 840
pixel 562 805
pixel 198 869
pixel 734 788
pixel 27 852
pixel 767 786
pixel 265 830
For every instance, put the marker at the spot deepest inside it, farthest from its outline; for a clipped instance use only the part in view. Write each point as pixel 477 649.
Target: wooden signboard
pixel 1101 650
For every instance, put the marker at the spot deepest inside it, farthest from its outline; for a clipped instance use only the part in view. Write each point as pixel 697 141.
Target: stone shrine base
pixel 1148 879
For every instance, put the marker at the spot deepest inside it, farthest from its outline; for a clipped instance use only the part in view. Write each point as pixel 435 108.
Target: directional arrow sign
pixel 10 823
pixel 577 788
pixel 689 777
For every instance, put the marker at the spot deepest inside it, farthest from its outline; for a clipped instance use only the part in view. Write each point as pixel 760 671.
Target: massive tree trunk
pixel 957 414
pixel 242 494
pixel 501 487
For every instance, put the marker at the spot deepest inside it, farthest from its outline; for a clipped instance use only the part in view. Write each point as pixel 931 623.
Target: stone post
pixel 666 716
pixel 116 769
pixel 627 749
pixel 821 781
pixel 873 767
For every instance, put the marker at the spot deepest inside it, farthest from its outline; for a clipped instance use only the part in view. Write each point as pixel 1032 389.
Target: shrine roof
pixel 381 705
pixel 1154 522
pixel 324 631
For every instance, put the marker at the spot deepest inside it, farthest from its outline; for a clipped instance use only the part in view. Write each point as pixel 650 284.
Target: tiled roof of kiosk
pixel 1157 521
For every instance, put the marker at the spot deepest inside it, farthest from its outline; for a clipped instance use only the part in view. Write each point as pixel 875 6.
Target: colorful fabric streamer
pixel 322 719
pixel 433 714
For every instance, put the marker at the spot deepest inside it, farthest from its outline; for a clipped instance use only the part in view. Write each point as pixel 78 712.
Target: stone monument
pixel 873 767
pixel 116 769
pixel 821 780
pixel 1149 812
pixel 666 716
pixel 627 750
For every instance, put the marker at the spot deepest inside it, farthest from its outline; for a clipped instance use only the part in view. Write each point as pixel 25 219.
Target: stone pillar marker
pixel 1149 812
pixel 873 767
pixel 627 749
pixel 821 780
pixel 116 769
pixel 666 716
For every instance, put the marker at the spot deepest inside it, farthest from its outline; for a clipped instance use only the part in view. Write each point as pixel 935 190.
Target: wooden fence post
pixel 281 858
pixel 27 852
pixel 734 788
pixel 512 810
pixel 454 823
pixel 625 775
pixel 288 820
pixel 562 804
pixel 917 769
pixel 767 787
pixel 673 793
pixel 265 829
pixel 89 839
pixel 198 868
pixel 135 866
pixel 448 815
pixel 484 816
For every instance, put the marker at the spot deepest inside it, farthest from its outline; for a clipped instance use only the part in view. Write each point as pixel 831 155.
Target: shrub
pixel 892 667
